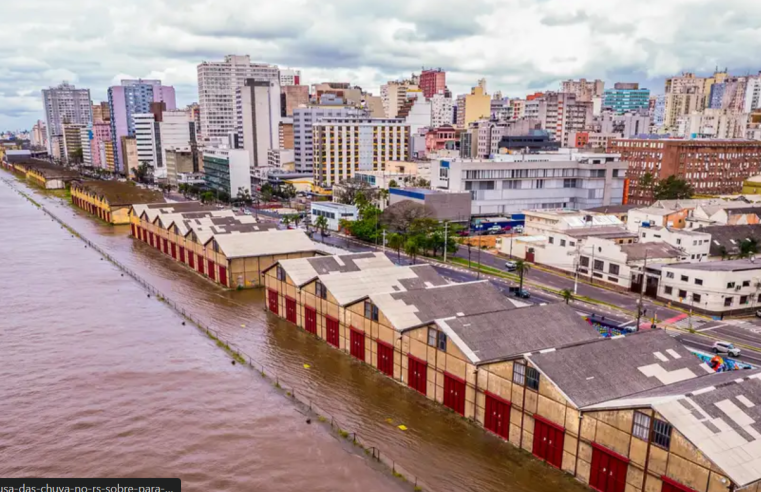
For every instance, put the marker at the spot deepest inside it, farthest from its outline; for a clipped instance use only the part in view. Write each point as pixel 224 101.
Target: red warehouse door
pixel 608 473
pixel 417 374
pixel 454 393
pixel 358 344
pixel 199 264
pixel 671 486
pixel 223 276
pixel 310 320
pixel 548 441
pixel 273 301
pixel 290 309
pixel 191 259
pixel 134 231
pixel 210 269
pixel 166 246
pixel 331 326
pixel 497 415
pixel 386 359
pixel 182 254
pixel 174 250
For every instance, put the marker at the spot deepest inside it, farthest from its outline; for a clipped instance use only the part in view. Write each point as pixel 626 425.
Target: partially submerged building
pixel 111 200
pixel 45 174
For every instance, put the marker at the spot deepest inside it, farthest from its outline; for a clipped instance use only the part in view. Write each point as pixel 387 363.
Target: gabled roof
pixel 264 243
pixel 120 193
pixel 730 237
pixel 489 337
pixel 406 310
pixel 615 367
pixel 304 270
pixel 221 223
pixel 350 287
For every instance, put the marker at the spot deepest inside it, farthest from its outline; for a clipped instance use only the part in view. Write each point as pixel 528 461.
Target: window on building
pixel 678 241
pixel 661 433
pixel 669 274
pixel 532 378
pixel 613 269
pixel 437 339
pixel 668 290
pixel 280 273
pixel 685 278
pixel 698 281
pixel 641 428
pixel 695 297
pixel 371 311
pixel 519 374
pixel 599 265
pixel 571 244
pixel 562 243
pixel 746 283
pixel 320 290
pixel 730 285
pixel 552 240
pixel 728 301
pixel 682 293
pixel 584 261
pixel 743 299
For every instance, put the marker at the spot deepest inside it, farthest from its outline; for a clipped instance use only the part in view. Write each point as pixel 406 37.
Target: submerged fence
pixel 289 388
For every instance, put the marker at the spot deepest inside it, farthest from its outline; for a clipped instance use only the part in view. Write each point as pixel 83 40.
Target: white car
pixel 510 266
pixel 726 348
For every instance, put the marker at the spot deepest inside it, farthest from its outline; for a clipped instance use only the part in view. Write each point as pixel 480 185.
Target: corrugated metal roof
pixel 271 242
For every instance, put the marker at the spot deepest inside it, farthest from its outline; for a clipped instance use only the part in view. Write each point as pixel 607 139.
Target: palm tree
pixel 321 224
pixel 286 220
pixel 567 295
pixel 396 241
pixel 522 267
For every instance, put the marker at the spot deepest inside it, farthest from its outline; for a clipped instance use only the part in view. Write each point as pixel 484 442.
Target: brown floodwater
pixel 87 347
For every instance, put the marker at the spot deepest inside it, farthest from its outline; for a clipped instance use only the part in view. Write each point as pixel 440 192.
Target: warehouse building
pixel 45 174
pixel 111 201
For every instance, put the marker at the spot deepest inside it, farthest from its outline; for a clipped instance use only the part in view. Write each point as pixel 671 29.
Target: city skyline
pixel 518 46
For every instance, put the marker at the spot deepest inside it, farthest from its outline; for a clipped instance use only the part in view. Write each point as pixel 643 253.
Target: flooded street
pixel 104 381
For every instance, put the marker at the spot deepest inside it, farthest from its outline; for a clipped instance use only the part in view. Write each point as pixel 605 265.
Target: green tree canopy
pixel 672 188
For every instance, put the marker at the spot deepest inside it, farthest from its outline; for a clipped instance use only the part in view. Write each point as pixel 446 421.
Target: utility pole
pixel 446 229
pixel 384 240
pixel 479 259
pixel 642 291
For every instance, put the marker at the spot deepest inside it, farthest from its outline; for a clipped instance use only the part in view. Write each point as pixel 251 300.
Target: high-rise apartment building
pixel 145 138
pixel 257 119
pixel 176 131
pixel 101 133
pixel 194 114
pixel 303 119
pixel 684 94
pixel 583 89
pixel 442 110
pixel 85 138
pixel 72 141
pixel 713 123
pixel 626 97
pixel 217 82
pixel 560 114
pixel 65 104
pixel 752 94
pixel 289 76
pixel 394 95
pixel 293 96
pixel 712 167
pixel 101 112
pixel 432 82
pixel 343 146
pixel 474 106
pixel 39 136
pixel 130 98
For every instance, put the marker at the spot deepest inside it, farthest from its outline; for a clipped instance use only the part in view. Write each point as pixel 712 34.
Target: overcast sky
pixel 518 45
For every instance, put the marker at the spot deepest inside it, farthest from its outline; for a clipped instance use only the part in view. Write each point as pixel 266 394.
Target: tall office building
pixel 130 98
pixel 583 89
pixel 303 119
pixel 626 97
pixel 394 95
pixel 176 132
pixel 343 146
pixel 217 82
pixel 101 112
pixel 442 110
pixel 257 119
pixel 474 106
pixel 145 137
pixel 65 104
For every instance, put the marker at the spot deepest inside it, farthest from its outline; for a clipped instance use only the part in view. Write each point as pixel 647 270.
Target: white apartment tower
pixel 65 104
pixel 217 82
pixel 441 110
pixel 289 76
pixel 257 113
pixel 145 138
pixel 176 132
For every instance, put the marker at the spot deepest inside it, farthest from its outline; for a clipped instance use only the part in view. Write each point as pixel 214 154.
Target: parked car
pixel 517 292
pixel 726 348
pixel 758 313
pixel 518 229
pixel 511 266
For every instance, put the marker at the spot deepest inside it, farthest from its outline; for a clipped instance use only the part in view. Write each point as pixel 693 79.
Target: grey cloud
pixel 554 20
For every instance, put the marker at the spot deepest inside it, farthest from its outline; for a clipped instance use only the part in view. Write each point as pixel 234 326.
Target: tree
pixel 142 172
pixel 286 219
pixel 522 267
pixel 647 181
pixel 286 191
pixel 223 196
pixel 412 248
pixel 266 192
pixel 672 188
pixel 346 191
pixel 400 216
pixel 723 252
pixel 396 241
pixel 567 295
pixel 748 247
pixel 76 156
pixel 321 224
pixel 207 197
pixel 393 184
pixel 183 188
pixel 243 197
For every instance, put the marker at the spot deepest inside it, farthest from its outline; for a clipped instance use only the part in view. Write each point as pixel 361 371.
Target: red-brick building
pixel 712 167
pixel 432 81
